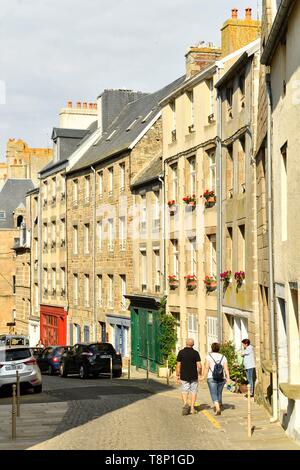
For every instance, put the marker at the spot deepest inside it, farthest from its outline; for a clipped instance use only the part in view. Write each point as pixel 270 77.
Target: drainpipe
pixel 94 256
pixel 40 242
pixel 161 178
pixel 270 254
pixel 219 214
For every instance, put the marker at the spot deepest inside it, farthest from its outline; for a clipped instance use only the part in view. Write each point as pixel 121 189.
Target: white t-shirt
pixel 210 359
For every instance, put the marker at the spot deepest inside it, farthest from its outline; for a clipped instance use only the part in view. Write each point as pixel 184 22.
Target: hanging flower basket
pixel 209 198
pixel 210 283
pixel 239 276
pixel 172 207
pixel 190 200
pixel 226 277
pixel 173 282
pixel 191 281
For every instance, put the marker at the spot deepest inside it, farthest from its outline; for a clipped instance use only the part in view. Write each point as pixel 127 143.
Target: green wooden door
pixel 145 331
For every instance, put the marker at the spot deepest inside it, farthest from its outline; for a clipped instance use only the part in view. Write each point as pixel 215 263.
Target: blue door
pixel 86 333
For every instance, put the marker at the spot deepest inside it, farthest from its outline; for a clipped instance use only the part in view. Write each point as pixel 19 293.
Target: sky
pixel 53 51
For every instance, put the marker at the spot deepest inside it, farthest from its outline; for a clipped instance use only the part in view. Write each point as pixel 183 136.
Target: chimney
pixel 200 57
pixel 78 104
pixel 248 15
pixel 237 33
pixel 234 13
pixel 70 104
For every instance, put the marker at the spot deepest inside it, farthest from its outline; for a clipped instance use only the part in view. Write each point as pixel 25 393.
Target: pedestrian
pixel 217 373
pixel 188 371
pixel 40 344
pixel 249 363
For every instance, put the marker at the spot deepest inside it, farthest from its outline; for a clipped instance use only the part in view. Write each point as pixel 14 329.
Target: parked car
pixel 49 359
pixel 91 359
pixel 19 358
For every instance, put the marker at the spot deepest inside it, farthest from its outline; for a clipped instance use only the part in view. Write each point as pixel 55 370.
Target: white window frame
pixel 211 97
pixel 110 290
pixel 156 252
pixel 86 290
pixel 122 175
pixel 192 168
pixel 175 250
pixel 143 254
pixel 110 234
pixel 75 288
pixel 75 239
pixel 99 289
pixel 174 169
pixel 213 254
pixel 100 234
pixel 63 277
pixel 123 292
pixel 86 229
pixel 100 176
pixel 173 111
pixel 75 191
pixel 212 170
pixel 122 230
pixel 111 179
pixel 193 256
pixel 87 189
pixel 53 278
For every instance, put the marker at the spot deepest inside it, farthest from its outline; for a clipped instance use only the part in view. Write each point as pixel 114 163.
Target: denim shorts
pixel 187 387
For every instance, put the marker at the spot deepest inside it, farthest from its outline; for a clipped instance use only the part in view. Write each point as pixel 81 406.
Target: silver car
pixel 19 358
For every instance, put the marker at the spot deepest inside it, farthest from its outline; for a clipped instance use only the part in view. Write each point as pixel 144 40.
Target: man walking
pixel 249 363
pixel 188 370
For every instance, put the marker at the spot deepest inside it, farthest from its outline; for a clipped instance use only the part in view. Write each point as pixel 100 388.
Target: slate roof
pixel 150 173
pixel 131 122
pixel 68 133
pixel 12 195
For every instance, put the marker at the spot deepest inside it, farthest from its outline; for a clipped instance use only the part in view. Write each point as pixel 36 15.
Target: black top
pixel 188 358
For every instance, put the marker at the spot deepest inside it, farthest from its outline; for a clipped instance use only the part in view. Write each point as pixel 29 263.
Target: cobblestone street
pixel 97 414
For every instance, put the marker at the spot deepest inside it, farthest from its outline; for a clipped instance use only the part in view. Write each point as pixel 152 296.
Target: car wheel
pixel 50 370
pixel 117 374
pixel 63 371
pixel 38 389
pixel 83 372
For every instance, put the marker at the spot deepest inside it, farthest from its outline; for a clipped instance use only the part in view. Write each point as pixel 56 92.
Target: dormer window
pixel 2 215
pixel 131 125
pixel 19 221
pixel 111 135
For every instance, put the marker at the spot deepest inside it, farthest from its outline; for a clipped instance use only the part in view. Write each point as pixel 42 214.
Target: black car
pixel 49 359
pixel 36 352
pixel 91 359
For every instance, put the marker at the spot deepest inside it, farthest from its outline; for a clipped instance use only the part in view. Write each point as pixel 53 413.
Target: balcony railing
pixel 53 200
pixel 156 224
pixel 63 292
pixel 157 288
pixel 110 304
pixel 62 242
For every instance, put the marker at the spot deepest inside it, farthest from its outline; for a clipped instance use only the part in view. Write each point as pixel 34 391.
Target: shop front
pixel 53 325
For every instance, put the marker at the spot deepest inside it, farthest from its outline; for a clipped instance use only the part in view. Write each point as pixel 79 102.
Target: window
pixel 229 264
pixel 87 189
pixel 122 176
pixel 156 211
pixel 284 186
pixel 156 254
pixel 45 192
pixel 14 284
pixel 190 95
pixel 242 166
pixel 45 279
pixel 174 170
pixel 229 172
pixel 86 290
pixel 211 98
pixel 63 232
pixel 111 180
pixel 63 281
pixel 241 248
pixel 212 254
pixel 173 111
pixel 212 170
pixel 123 292
pixel 75 239
pixel 45 234
pixel 143 214
pixel 100 178
pixel 110 291
pixel 143 265
pixel 75 191
pixel 100 234
pixel 75 289
pixel 193 329
pixel 54 189
pixel 86 238
pixel 53 234
pixel 111 234
pixel 63 186
pixel 2 215
pixel 193 256
pixel 99 290
pixel 36 297
pixel 175 258
pixel 122 230
pixel 53 280
pixel 192 171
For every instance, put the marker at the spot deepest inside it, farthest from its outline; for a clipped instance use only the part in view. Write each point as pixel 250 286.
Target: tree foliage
pixel 168 335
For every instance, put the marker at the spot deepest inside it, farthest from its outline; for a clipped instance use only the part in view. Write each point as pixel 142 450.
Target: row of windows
pixel 100 178
pixel 111 280
pixel 144 273
pixel 190 248
pixel 51 278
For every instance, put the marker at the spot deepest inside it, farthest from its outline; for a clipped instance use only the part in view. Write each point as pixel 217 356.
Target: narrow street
pixel 127 415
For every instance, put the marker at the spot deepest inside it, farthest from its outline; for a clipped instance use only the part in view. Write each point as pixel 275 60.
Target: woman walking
pixel 217 373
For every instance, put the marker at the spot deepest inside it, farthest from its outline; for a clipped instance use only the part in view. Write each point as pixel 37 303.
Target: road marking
pixel 210 418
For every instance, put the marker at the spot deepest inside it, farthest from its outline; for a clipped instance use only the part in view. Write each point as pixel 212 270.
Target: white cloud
pixel 55 50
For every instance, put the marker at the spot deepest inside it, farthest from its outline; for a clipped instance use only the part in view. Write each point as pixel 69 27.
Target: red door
pixel 53 325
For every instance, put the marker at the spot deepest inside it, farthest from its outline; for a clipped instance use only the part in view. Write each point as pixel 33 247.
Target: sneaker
pixel 186 410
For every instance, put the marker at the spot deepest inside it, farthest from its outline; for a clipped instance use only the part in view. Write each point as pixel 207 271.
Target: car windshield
pixel 102 348
pixel 8 355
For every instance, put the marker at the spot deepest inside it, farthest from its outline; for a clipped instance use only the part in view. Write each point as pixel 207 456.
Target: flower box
pixel 191 281
pixel 226 277
pixel 239 276
pixel 173 282
pixel 190 200
pixel 210 198
pixel 172 207
pixel 210 283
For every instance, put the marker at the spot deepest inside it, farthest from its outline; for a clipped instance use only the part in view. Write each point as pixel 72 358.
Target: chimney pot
pixel 248 13
pixel 85 105
pixel 78 104
pixel 234 13
pixel 70 104
pixel 95 106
